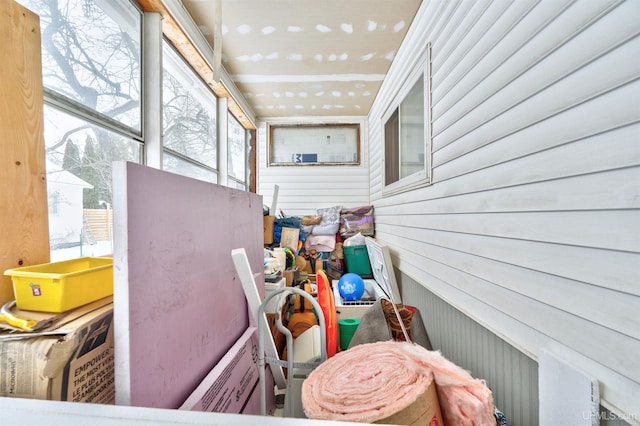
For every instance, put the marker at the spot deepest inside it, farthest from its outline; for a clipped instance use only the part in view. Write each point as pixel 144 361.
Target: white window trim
pixel 423 177
pixel 244 179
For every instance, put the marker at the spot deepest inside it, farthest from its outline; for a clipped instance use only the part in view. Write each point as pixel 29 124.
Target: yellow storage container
pixel 61 286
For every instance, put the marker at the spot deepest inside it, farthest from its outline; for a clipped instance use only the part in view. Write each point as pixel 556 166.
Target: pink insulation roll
pixel 375 381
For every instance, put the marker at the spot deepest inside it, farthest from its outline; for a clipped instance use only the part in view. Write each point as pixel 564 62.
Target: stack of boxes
pixel 67 351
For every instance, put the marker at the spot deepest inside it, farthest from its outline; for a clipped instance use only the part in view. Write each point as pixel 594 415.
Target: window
pixel 236 154
pixel 91 56
pixel 407 133
pixel 79 165
pixel 179 165
pixel 92 74
pixel 189 120
pixel 53 201
pixel 314 144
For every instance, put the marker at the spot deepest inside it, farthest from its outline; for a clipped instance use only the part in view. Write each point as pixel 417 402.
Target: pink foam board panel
pixel 233 384
pixel 179 305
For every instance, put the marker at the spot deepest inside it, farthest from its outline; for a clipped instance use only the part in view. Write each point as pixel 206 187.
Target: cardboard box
pixel 267 222
pixel 73 360
pixel 289 238
pixel 290 275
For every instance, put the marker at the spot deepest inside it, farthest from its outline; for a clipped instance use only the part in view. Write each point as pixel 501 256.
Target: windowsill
pixel 419 180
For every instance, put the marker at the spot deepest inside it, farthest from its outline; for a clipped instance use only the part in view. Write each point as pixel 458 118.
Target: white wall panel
pixel 531 226
pixel 303 189
pixel 583 228
pixel 479 129
pixel 511 375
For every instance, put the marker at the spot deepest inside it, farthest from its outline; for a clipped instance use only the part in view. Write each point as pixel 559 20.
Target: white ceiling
pixel 296 58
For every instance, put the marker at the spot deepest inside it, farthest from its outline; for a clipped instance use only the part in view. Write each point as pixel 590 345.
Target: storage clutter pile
pixel 383 370
pixel 337 241
pixel 56 336
pixel 319 240
pixel 298 248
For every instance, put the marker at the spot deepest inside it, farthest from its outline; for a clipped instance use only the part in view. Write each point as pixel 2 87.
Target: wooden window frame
pixel 330 129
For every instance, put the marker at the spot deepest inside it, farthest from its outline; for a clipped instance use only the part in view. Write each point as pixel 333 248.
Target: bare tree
pixel 188 127
pixel 92 61
pixel 91 57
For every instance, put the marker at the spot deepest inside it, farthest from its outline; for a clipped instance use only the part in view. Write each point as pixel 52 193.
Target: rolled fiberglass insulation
pixel 378 382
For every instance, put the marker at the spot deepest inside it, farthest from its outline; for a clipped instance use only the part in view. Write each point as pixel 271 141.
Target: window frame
pixel 58 102
pixel 237 182
pixel 423 177
pixel 69 105
pixel 335 129
pixel 199 94
pixel 138 136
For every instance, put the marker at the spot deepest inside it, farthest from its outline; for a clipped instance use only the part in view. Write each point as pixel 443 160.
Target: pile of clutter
pixel 317 241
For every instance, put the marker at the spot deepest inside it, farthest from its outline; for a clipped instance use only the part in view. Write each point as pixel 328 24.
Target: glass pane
pixel 91 54
pixel 301 144
pixel 189 111
pixel 177 165
pixel 391 148
pixel 79 159
pixel 237 185
pixel 412 137
pixel 236 149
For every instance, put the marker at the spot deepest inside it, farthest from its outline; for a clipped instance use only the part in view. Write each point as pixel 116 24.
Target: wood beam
pixel 24 228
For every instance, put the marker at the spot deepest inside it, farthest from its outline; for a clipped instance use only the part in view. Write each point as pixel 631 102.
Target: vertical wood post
pixel 24 229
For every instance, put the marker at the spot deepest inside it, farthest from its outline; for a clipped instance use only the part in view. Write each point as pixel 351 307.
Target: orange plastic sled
pixel 328 306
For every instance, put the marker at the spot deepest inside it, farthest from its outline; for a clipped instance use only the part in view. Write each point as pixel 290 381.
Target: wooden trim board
pixel 24 226
pixel 254 299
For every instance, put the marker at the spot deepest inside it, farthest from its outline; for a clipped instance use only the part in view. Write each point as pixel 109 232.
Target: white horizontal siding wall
pixel 511 375
pixel 532 224
pixel 303 189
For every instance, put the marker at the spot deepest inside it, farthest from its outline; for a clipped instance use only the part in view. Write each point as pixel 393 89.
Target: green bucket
pixel 347 327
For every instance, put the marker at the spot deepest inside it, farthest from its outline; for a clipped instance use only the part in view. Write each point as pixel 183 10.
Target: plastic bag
pixel 356 240
pixel 357 219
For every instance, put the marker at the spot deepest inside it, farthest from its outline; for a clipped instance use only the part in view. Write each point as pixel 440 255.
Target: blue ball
pixel 351 286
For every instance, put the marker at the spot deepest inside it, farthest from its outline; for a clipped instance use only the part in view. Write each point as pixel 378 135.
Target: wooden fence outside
pixel 98 225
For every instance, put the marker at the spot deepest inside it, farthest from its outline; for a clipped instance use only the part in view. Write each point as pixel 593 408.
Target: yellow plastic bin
pixel 62 286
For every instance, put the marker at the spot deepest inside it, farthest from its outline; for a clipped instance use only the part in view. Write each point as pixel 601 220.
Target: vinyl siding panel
pixel 531 226
pixel 303 189
pixel 511 375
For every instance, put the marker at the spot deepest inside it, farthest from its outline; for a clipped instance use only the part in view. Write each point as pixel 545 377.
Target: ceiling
pixel 301 58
